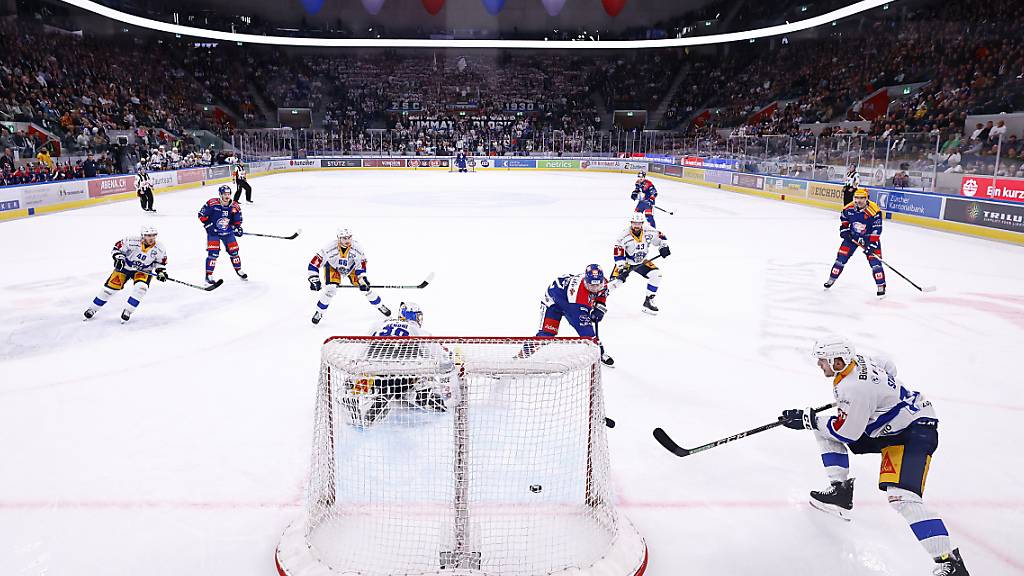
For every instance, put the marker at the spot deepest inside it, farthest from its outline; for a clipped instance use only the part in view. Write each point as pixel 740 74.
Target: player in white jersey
pixel 370 398
pixel 137 258
pixel 342 257
pixel 630 253
pixel 876 414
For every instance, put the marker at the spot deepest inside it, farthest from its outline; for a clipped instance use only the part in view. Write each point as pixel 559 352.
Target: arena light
pixel 787 28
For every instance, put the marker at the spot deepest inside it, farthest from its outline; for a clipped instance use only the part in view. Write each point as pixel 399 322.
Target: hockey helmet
pixel 833 346
pixel 861 193
pixel 148 230
pixel 637 218
pixel 224 189
pixel 412 312
pixel 594 278
pixel 641 175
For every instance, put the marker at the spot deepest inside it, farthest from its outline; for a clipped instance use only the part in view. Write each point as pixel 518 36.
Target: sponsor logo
pixel 383 163
pixel 784 186
pixel 6 205
pixel 988 214
pixel 484 163
pixel 656 168
pixel 109 186
pixel 693 161
pixel 831 193
pixel 162 178
pixel 748 181
pixel 219 172
pixel 999 189
pixel 674 171
pixel 341 163
pixel 558 164
pixel 634 166
pixel 302 163
pixel 908 203
pixel 693 174
pixel 191 175
pixel 718 176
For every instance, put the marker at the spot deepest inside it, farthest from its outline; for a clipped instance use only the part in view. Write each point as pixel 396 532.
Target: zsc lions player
pixel 222 219
pixel 581 299
pixel 645 195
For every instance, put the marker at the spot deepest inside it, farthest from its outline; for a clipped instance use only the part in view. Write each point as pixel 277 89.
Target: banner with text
pixel 563 164
pixel 988 214
pixel 908 203
pixel 832 193
pixel 1011 189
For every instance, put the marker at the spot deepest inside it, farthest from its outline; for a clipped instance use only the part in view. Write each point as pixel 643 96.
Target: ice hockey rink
pixel 179 443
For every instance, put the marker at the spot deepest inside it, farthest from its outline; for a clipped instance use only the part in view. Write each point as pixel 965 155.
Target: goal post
pixel 457 455
pixel 471 164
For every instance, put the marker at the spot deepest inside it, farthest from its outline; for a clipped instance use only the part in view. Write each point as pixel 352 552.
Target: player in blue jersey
pixel 877 415
pixel 860 225
pixel 222 218
pixel 645 194
pixel 460 161
pixel 581 299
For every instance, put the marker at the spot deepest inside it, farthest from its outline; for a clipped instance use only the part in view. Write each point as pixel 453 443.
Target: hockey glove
pixel 844 233
pixel 314 283
pixel 871 249
pixel 237 230
pixel 597 314
pixel 624 270
pixel 634 195
pixel 118 261
pixel 364 284
pixel 799 419
pixel 664 251
pixel 161 274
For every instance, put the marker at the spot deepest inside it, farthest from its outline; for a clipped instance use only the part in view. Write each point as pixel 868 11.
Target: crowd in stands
pixel 959 59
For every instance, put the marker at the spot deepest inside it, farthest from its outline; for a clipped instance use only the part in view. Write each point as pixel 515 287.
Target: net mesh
pixel 435 454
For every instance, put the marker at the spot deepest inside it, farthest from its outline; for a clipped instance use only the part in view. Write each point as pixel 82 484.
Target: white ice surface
pixel 179 443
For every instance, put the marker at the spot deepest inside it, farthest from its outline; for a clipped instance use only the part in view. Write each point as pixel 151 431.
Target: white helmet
pixel 148 230
pixel 831 347
pixel 637 218
pixel 412 312
pixel 343 233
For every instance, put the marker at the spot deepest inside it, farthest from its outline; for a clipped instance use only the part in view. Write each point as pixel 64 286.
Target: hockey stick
pixel 208 288
pixel 610 362
pixel 663 438
pixel 292 237
pixel 900 274
pixel 421 285
pixel 671 213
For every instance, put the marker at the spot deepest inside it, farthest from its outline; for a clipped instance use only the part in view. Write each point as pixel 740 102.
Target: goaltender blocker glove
pixel 161 274
pixel 664 251
pixel 314 283
pixel 118 261
pixel 364 284
pixel 597 314
pixel 799 419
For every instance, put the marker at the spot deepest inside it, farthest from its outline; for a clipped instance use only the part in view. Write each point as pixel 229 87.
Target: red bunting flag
pixel 433 6
pixel 613 7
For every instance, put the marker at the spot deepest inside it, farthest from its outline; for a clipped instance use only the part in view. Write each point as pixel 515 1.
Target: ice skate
pixel 242 275
pixel 649 306
pixel 317 316
pixel 881 291
pixel 950 565
pixel 837 500
pixel 829 283
pixel 126 315
pixel 384 310
pixel 90 312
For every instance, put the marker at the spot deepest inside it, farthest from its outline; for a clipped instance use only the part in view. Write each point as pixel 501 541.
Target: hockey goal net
pixel 471 164
pixel 436 456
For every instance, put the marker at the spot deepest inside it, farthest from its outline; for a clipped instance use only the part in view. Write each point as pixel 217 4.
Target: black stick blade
pixel 609 422
pixel 427 281
pixel 666 442
pixel 215 285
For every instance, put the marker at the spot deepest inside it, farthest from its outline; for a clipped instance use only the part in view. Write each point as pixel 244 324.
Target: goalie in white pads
pixel 343 257
pixel 136 258
pixel 630 252
pixel 876 414
pixel 370 396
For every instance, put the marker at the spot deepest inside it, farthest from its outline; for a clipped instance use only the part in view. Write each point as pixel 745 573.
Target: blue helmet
pixel 641 175
pixel 412 312
pixel 224 189
pixel 594 278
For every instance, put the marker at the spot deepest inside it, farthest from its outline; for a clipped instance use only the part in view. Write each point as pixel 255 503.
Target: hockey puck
pixel 535 488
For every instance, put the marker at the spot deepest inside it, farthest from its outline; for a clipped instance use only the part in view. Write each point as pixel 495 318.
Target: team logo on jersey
pixel 840 419
pixel 223 223
pixel 859 228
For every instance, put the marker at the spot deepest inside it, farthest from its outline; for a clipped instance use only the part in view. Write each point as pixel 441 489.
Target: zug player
pixel 136 258
pixel 876 414
pixel 222 218
pixel 860 225
pixel 630 254
pixel 369 398
pixel 341 258
pixel 581 299
pixel 645 194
